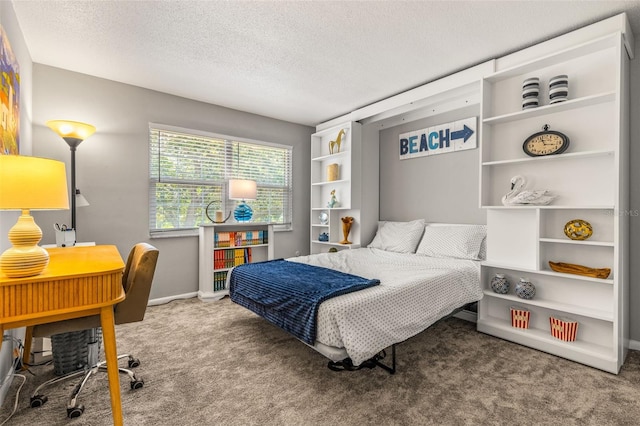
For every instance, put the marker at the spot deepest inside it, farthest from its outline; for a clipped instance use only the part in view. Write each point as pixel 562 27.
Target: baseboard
pixel 7 357
pixel 163 300
pixel 5 381
pixel 634 345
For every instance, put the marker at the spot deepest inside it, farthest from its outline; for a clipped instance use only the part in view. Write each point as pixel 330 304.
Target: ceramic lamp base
pixel 243 213
pixel 25 258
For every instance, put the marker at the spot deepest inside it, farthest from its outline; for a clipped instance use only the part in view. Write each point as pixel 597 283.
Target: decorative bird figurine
pixel 517 196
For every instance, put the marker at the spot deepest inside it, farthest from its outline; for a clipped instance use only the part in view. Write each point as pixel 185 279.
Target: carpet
pixel 217 363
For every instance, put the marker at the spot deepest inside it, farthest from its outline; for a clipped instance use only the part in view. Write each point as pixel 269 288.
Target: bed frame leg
pixel 392 369
pixel 346 363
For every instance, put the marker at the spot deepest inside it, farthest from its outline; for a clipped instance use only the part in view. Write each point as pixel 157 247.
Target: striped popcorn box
pixel 519 317
pixel 563 328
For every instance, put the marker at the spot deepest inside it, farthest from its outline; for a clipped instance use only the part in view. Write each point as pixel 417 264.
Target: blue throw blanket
pixel 288 294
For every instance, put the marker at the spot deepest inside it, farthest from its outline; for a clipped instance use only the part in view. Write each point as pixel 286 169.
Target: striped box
pixel 519 317
pixel 563 328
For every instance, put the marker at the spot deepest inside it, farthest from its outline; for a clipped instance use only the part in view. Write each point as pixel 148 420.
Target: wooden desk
pixel 78 282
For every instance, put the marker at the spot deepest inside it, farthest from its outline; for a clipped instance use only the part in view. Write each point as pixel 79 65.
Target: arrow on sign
pixel 465 133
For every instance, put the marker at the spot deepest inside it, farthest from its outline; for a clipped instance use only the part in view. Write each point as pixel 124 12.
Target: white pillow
pixel 457 241
pixel 482 255
pixel 400 237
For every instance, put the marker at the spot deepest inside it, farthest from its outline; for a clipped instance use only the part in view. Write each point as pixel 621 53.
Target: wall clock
pixel 546 142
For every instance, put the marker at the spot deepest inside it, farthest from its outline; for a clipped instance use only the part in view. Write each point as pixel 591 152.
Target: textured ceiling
pixel 301 61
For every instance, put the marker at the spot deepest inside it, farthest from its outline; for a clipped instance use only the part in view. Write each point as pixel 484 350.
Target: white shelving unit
pixel 591 182
pixel 214 265
pixel 347 187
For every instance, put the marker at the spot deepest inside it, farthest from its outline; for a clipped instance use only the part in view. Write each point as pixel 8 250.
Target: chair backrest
pixel 136 280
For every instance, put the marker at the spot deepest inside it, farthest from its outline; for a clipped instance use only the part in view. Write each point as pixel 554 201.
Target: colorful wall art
pixel 9 98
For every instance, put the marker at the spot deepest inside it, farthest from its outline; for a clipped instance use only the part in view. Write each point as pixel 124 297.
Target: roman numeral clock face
pixel 547 142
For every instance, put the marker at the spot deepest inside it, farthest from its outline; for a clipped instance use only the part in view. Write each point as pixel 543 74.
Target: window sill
pixel 174 234
pixel 194 233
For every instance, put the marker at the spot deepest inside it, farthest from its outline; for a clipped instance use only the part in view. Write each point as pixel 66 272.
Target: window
pixel 189 171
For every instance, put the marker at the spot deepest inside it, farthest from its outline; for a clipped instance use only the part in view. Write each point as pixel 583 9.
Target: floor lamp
pixel 73 133
pixel 67 357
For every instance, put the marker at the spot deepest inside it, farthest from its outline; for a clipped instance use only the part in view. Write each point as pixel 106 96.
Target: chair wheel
pixel 134 362
pixel 38 400
pixel 137 384
pixel 74 412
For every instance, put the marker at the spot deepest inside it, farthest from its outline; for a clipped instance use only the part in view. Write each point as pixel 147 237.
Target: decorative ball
pixel 525 289
pixel 499 284
pixel 578 229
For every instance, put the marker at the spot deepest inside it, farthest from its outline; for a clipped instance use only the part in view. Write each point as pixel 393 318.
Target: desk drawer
pixel 26 298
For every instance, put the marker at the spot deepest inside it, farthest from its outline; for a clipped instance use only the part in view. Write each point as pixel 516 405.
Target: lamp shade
pixel 29 183
pixel 242 189
pixel 74 130
pixel 32 183
pixel 80 200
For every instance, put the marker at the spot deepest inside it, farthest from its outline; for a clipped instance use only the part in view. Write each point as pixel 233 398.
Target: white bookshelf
pixel 348 187
pixel 214 265
pixel 591 182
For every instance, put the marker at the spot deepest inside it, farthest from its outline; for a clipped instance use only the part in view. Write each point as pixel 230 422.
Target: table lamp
pixel 242 189
pixel 73 133
pixel 29 183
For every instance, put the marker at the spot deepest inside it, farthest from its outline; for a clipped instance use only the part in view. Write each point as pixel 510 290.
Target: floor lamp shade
pixel 242 189
pixel 71 129
pixel 29 183
pixel 73 133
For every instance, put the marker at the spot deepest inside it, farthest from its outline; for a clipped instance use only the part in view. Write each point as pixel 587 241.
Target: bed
pixel 425 272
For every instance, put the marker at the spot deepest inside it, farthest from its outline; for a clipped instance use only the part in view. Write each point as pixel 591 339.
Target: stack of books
pixel 225 259
pixel 240 238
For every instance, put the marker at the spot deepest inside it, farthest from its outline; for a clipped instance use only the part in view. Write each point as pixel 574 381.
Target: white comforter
pixel 414 292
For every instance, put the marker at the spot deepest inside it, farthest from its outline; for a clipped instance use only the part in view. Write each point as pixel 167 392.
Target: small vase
pixel 525 289
pixel 346 227
pixel 499 284
pixel 332 172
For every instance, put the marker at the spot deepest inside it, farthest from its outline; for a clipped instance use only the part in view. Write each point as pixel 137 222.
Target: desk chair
pixel 136 280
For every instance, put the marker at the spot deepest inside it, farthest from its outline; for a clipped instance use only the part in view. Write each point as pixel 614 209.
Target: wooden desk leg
pixel 111 355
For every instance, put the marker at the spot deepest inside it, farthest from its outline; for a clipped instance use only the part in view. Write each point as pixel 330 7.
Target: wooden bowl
pixel 570 268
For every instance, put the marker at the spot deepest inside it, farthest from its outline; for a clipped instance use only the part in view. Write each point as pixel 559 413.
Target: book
pixel 219 280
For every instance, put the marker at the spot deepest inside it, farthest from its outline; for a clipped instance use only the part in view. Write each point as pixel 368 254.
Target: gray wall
pixel 112 165
pixel 438 188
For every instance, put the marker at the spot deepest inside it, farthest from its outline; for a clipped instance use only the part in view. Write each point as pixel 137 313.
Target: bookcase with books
pixel 223 246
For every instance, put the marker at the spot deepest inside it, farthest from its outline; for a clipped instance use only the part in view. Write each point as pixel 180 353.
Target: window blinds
pixel 189 170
